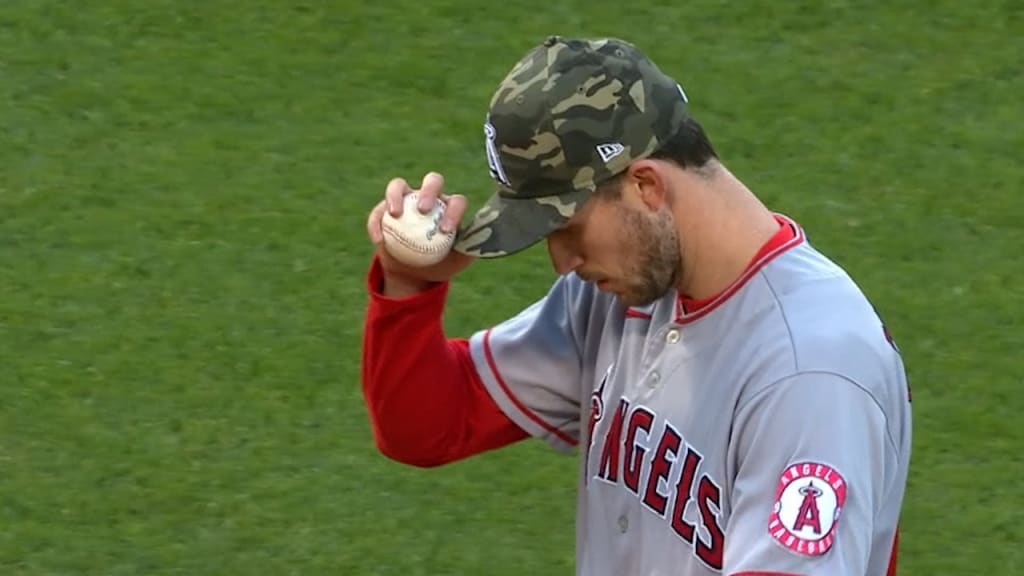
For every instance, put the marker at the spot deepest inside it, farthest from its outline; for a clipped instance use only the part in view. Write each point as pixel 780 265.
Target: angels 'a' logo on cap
pixel 493 160
pixel 682 92
pixel 807 507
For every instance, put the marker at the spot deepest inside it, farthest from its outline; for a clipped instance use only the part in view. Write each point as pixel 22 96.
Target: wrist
pixel 398 286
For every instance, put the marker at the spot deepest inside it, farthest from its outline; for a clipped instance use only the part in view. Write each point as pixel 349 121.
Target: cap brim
pixel 505 226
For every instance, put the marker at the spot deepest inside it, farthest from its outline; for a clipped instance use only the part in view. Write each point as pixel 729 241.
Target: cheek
pixel 601 243
pixel 612 252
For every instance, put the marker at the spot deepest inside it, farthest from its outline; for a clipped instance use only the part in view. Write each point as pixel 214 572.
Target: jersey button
pixel 623 523
pixel 653 380
pixel 672 336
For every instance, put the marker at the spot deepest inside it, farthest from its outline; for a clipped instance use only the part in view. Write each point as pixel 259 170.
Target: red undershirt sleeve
pixel 426 402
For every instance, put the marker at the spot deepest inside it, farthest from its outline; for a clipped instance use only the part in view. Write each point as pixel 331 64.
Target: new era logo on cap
pixel 609 151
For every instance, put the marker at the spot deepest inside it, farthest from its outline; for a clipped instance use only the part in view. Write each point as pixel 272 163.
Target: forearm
pixel 427 405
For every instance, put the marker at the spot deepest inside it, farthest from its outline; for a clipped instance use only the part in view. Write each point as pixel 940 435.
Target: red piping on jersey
pixel 788 236
pixel 522 408
pixel 892 558
pixel 634 313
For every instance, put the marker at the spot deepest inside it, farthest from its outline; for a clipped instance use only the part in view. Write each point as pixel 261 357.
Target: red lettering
pixel 609 469
pixel 683 490
pixel 708 495
pixel 635 442
pixel 660 467
pixel 808 514
pixel 634 456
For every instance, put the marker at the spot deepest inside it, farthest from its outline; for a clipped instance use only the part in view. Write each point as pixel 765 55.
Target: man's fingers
pixel 396 190
pixel 456 207
pixel 430 191
pixel 373 223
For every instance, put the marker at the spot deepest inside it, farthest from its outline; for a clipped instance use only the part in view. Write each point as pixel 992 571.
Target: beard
pixel 655 258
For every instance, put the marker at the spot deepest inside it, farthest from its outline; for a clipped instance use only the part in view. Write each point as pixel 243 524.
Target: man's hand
pixel 401 280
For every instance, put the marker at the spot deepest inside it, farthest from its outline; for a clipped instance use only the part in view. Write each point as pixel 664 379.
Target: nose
pixel 563 258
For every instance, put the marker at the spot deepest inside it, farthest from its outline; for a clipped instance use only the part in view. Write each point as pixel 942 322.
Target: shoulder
pixel 825 324
pixel 570 306
pixel 829 321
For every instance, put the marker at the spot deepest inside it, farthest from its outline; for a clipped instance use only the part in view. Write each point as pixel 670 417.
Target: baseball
pixel 414 238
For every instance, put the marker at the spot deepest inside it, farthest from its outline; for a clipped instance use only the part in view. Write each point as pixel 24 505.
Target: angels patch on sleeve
pixel 807 507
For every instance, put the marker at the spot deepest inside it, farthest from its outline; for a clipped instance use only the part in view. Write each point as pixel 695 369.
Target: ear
pixel 647 183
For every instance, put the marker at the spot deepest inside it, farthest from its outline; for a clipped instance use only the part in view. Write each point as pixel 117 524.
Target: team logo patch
pixel 807 506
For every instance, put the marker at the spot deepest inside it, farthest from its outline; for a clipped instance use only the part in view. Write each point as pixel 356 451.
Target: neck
pixel 722 225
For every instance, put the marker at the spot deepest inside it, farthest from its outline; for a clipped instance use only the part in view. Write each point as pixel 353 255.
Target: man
pixel 738 406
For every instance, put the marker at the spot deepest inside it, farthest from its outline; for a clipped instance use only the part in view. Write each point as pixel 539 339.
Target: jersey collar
pixel 688 310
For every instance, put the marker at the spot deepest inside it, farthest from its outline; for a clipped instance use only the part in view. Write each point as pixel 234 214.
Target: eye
pixel 566 236
pixel 570 228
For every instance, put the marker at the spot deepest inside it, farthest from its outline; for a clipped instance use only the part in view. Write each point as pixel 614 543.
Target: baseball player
pixel 737 405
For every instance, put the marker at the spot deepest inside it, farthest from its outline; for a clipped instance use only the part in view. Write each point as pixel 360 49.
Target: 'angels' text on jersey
pixel 638 445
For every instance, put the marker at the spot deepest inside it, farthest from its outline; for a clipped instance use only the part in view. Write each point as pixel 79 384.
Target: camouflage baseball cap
pixel 571 114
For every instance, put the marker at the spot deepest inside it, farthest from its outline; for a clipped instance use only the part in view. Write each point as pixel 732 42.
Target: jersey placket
pixel 643 387
pixel 652 366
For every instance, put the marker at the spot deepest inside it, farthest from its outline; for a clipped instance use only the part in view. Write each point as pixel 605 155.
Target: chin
pixel 639 296
pixel 636 300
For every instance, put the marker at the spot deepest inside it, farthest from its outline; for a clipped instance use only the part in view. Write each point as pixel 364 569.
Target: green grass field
pixel 183 191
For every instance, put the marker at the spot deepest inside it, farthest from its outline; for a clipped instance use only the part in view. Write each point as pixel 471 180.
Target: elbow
pixel 409 447
pixel 408 457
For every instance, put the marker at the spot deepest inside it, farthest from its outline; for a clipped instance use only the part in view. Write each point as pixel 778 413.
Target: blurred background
pixel 183 192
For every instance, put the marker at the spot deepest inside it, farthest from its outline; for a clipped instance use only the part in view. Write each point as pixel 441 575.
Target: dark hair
pixel 689 148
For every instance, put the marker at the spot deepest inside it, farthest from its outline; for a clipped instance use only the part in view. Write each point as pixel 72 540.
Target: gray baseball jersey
pixel 769 431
